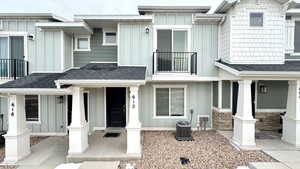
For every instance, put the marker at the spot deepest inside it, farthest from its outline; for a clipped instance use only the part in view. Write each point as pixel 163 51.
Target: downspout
pixel 219 36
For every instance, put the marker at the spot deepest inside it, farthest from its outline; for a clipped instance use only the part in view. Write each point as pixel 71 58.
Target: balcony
pixel 13 68
pixel 175 62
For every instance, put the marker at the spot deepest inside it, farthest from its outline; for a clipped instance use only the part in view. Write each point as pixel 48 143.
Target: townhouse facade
pixel 238 66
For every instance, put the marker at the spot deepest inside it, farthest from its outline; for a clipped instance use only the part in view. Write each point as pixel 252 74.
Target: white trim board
pixel 48 134
pixel 270 110
pixel 101 83
pixel 166 128
pixel 32 91
pixel 260 74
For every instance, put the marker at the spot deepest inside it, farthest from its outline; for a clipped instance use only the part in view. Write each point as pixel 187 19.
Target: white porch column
pixel 291 121
pixel 17 139
pixel 78 130
pixel 134 125
pixel 244 123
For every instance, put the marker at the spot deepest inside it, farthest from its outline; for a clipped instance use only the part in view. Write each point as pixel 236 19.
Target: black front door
pixel 70 99
pixel 116 107
pixel 235 92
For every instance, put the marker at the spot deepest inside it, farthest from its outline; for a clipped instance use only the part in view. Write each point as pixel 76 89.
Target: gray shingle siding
pixel 98 52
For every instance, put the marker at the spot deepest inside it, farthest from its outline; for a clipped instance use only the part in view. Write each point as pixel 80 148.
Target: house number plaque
pixel 133 101
pixel 12 109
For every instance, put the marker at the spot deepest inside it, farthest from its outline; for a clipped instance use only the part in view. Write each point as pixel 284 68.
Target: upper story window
pixel 32 108
pixel 172 40
pixel 109 37
pixel 297 37
pixel 256 19
pixel 82 43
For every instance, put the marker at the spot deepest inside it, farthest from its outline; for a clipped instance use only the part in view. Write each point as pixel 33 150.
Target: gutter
pixel 54 25
pixel 37 15
pixel 209 17
pixel 25 91
pixel 113 17
pixel 225 5
pixel 100 82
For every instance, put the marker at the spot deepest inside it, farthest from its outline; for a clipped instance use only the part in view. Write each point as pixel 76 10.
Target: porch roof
pixel 105 71
pixel 290 68
pixel 91 73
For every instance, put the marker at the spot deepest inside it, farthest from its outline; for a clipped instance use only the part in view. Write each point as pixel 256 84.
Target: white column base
pixel 244 132
pixel 291 131
pixel 17 147
pixel 134 141
pixel 78 139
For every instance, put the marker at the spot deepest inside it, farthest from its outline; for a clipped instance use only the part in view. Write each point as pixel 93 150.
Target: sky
pixel 67 8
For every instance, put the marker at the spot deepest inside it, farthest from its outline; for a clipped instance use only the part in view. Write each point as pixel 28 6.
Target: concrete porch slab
pixel 100 164
pixel 104 149
pixel 267 165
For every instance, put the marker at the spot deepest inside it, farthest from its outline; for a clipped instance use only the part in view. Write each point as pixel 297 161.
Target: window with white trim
pixel 109 37
pixel 32 108
pixel 169 102
pixel 82 43
pixel 256 19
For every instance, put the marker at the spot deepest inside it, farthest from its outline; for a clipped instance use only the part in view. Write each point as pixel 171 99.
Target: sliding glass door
pixel 172 45
pixel 4 57
pixel 11 55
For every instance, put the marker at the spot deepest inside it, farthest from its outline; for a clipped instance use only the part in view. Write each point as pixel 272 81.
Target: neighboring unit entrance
pixel 115 107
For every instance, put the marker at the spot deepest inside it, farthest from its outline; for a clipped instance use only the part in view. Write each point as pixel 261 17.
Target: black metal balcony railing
pixel 175 62
pixel 13 68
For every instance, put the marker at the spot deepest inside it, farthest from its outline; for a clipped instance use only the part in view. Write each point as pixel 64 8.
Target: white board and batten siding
pixel 136 46
pixel 45 52
pixel 255 45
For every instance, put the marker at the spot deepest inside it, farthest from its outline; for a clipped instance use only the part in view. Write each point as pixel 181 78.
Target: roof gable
pixel 225 5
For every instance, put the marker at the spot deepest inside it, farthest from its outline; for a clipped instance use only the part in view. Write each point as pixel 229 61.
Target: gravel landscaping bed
pixel 33 141
pixel 210 150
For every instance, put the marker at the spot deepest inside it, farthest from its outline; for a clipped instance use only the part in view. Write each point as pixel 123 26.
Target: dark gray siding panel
pixel 215 94
pixel 276 96
pixel 98 53
pixel 226 94
pixel 4 111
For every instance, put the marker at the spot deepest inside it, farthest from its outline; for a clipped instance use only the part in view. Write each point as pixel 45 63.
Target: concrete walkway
pixel 287 155
pixel 46 155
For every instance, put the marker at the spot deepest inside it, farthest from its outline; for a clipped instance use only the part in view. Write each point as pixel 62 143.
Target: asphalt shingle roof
pixel 106 71
pixel 35 80
pixel 92 71
pixel 288 66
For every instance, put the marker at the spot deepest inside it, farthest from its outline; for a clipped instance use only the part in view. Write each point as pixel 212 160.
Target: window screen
pixel 111 37
pixel 256 19
pixel 32 107
pixel 177 102
pixel 83 43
